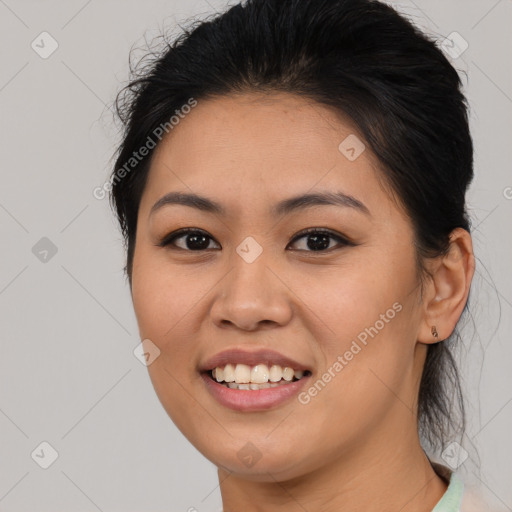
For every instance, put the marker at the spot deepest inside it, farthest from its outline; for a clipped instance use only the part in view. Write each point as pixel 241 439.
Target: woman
pixel 291 189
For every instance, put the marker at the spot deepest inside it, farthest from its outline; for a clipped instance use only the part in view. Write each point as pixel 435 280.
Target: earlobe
pixel 448 289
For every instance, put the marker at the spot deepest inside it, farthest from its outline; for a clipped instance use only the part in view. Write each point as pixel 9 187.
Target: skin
pixel 355 445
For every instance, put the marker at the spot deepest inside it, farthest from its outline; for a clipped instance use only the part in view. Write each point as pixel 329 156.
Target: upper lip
pixel 250 358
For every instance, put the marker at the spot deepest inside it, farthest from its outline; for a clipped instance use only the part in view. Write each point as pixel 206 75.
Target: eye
pixel 319 240
pixel 194 239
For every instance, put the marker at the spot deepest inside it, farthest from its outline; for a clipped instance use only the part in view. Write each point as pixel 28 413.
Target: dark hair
pixel 365 61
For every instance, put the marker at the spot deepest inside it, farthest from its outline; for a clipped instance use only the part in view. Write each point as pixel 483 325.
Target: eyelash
pixel 172 237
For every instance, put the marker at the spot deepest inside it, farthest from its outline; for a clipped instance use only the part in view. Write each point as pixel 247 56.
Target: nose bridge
pixel 251 293
pixel 250 276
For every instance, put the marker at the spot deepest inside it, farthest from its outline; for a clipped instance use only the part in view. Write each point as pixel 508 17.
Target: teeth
pixel 251 385
pixel 260 376
pixel 276 373
pixel 242 373
pixel 287 373
pixel 229 373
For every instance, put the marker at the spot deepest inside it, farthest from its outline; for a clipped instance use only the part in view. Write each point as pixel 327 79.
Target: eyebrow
pixel 284 207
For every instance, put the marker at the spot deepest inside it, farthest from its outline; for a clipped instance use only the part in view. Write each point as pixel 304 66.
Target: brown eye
pixel 320 240
pixel 188 239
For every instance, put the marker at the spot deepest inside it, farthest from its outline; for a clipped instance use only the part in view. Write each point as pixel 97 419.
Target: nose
pixel 252 296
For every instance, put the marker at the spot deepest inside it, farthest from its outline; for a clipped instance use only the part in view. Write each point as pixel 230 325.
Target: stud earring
pixel 434 332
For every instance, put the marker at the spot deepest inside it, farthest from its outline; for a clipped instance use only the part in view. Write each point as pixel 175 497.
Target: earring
pixel 434 332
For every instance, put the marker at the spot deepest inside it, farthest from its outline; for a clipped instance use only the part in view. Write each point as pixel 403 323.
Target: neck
pixel 376 476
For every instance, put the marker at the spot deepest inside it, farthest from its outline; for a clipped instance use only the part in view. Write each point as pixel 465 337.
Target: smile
pixel 261 376
pixel 252 396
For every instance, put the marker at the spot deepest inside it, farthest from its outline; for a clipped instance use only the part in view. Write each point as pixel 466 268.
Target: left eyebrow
pixel 320 198
pixel 284 207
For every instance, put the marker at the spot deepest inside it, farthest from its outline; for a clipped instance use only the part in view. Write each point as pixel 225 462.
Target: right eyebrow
pixel 186 199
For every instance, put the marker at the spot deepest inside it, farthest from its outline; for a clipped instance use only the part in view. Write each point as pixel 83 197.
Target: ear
pixel 447 291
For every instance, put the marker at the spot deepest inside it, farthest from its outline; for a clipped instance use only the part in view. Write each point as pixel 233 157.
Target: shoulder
pixel 481 499
pixel 462 497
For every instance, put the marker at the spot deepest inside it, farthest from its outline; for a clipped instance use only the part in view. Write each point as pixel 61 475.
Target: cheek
pixel 161 297
pixel 360 385
pixel 366 318
pixel 355 302
pixel 163 303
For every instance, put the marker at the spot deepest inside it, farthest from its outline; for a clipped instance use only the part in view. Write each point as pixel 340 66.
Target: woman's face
pixel 346 311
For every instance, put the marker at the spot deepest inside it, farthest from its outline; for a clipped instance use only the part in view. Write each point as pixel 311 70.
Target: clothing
pixel 451 500
pixel 459 497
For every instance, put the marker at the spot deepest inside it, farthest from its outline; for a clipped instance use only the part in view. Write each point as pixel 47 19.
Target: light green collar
pixel 452 498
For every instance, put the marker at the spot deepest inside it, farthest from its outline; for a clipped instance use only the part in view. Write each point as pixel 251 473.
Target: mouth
pixel 254 378
pixel 261 387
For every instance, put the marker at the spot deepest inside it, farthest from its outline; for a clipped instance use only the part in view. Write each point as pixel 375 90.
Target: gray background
pixel 68 375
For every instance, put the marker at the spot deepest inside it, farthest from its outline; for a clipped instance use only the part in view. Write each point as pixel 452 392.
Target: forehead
pixel 262 147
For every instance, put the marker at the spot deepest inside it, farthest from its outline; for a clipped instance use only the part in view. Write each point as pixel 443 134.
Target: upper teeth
pixel 259 374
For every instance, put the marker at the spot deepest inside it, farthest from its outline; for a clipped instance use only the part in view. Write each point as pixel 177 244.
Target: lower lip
pixel 253 399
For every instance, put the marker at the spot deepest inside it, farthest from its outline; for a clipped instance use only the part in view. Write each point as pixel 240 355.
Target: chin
pixel 258 465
